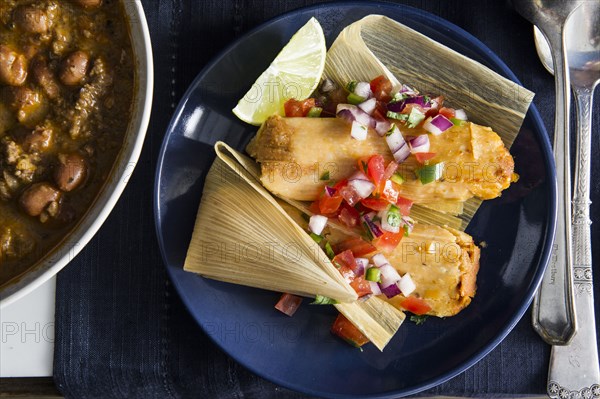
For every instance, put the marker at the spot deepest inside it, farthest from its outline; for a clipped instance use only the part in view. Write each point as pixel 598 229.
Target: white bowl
pixel 123 167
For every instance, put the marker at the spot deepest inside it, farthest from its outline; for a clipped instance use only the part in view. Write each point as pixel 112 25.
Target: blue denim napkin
pixel 121 329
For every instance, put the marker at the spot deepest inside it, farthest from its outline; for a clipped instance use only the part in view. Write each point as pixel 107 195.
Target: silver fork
pixel 574 370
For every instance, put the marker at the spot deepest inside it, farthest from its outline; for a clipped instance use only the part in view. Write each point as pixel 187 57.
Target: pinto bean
pixel 74 68
pixel 37 140
pixel 31 19
pixel 30 105
pixel 70 172
pixel 45 77
pixel 13 66
pixel 35 199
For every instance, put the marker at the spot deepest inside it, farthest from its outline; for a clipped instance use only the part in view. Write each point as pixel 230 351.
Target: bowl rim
pixel 66 250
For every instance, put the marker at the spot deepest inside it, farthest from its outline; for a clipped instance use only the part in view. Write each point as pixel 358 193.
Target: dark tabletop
pixel 122 331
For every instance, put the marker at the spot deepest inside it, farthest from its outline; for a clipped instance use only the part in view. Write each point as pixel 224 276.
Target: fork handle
pixel 574 369
pixel 553 310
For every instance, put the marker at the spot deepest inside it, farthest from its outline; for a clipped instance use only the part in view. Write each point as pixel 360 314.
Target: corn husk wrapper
pixel 364 50
pixel 375 318
pixel 243 236
pixel 237 212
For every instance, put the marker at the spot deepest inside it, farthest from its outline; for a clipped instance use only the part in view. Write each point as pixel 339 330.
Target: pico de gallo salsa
pixel 370 198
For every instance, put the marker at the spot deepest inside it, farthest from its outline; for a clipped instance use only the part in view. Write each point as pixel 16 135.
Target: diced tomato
pixel 288 304
pixel 363 164
pixel 436 104
pixel 390 170
pixel 376 168
pixel 339 185
pixel 361 286
pixel 380 111
pixel 348 215
pixel 404 205
pixel 409 107
pixel 388 241
pixel 329 205
pixel 350 195
pixel 343 328
pixel 415 305
pixel 390 191
pixel 298 108
pixel 447 112
pixel 347 273
pixel 376 204
pixel 314 207
pixel 381 88
pixel 423 157
pixel 345 259
pixel 379 115
pixel 358 246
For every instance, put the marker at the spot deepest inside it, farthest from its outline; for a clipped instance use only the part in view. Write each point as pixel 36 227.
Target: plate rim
pixel 547 237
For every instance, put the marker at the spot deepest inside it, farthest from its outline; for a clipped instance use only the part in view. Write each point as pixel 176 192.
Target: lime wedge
pixel 294 73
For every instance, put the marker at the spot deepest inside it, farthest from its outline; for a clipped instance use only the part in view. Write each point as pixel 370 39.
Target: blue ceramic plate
pixel 299 352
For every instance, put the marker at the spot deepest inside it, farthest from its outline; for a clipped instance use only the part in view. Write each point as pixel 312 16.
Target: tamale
pixel 237 216
pixel 442 261
pixel 295 152
pixel 363 50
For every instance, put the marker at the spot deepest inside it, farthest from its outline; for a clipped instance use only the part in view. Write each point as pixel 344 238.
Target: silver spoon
pixel 553 309
pixel 574 367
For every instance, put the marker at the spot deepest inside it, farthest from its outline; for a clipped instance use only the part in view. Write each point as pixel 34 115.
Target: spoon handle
pixel 553 309
pixel 574 369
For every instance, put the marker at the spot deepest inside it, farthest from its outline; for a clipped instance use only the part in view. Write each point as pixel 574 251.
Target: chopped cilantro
pixel 323 300
pixel 418 319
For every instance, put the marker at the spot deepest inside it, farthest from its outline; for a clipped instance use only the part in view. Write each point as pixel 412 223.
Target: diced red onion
pixel 358 131
pixel 409 223
pixel 363 89
pixel 373 227
pixel 351 113
pixel 419 100
pixel 369 105
pixel 390 291
pixel 375 288
pixel 327 86
pixel 350 195
pixel 361 266
pixel 346 115
pixel 317 223
pixel 406 285
pixel 379 260
pixel 397 145
pixel 408 90
pixel 358 175
pixel 382 127
pixel 363 188
pixel 389 275
pixel 396 106
pixel 460 114
pixel 419 144
pixel 330 191
pixel 437 125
